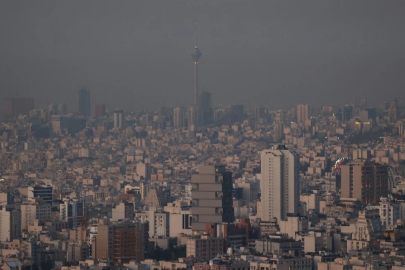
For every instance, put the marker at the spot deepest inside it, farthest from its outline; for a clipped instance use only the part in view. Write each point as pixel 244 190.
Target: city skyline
pixel 256 62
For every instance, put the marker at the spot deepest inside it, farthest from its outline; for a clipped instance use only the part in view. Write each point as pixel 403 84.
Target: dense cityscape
pixel 203 187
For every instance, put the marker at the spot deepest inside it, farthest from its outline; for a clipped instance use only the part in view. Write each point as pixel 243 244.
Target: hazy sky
pixel 136 54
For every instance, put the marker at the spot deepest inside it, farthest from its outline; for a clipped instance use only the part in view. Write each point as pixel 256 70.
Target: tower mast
pixel 196 56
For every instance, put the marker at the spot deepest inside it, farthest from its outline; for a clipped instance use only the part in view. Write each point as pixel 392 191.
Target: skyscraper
pixel 196 56
pixel 207 113
pixel 279 184
pixel 119 119
pixel 364 180
pixel 302 113
pixel 192 116
pixel 211 197
pixel 179 117
pixel 84 102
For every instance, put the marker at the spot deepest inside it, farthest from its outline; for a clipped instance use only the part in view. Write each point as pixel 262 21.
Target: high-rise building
pixel 35 209
pixel 72 211
pixel 302 113
pixel 366 181
pixel 84 102
pixel 10 224
pixel 100 110
pixel 14 107
pixel 261 113
pixel 192 116
pixel 347 113
pixel 179 117
pixel 211 197
pixel 119 119
pixel 62 109
pixel 120 242
pixel 207 114
pixel 279 184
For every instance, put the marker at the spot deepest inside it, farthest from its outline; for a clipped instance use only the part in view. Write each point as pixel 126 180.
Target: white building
pixel 72 210
pixel 279 183
pixel 390 212
pixel 10 224
pixel 159 222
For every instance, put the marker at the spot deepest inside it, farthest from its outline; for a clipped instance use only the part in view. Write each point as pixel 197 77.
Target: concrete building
pixel 180 223
pixel 302 113
pixel 72 211
pixel 364 180
pixel 124 210
pixel 211 197
pixel 14 107
pixel 159 222
pixel 204 248
pixel 84 102
pixel 41 191
pixel 294 224
pixel 119 119
pixel 120 242
pixel 10 224
pixel 390 212
pixel 179 117
pixel 279 183
pixel 36 209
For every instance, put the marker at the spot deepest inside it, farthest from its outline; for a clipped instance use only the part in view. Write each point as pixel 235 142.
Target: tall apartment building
pixel 192 116
pixel 366 181
pixel 204 247
pixel 119 119
pixel 279 183
pixel 120 242
pixel 36 209
pixel 179 117
pixel 10 224
pixel 211 197
pixel 84 102
pixel 302 113
pixel 72 211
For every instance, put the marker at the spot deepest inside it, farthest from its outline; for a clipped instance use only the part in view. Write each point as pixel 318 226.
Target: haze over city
pixel 136 54
pixel 202 135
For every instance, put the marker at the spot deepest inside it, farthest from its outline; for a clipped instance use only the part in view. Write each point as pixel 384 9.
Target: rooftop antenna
pixel 195 31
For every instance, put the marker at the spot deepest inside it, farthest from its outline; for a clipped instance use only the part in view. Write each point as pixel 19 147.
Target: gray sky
pixel 136 54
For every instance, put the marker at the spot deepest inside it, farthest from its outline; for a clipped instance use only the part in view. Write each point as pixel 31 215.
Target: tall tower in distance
pixel 196 56
pixel 84 102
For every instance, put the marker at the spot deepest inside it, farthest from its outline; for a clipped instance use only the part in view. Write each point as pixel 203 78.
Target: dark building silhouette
pixel 100 110
pixel 207 113
pixel 84 102
pixel 14 107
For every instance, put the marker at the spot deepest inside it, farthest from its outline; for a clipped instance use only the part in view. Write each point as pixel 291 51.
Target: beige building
pixel 302 113
pixel 204 248
pixel 364 180
pixel 211 197
pixel 279 183
pixel 179 117
pixel 35 209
